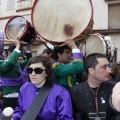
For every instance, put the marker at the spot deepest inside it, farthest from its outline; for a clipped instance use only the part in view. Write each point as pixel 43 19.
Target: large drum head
pixel 57 20
pixel 93 44
pixel 15 27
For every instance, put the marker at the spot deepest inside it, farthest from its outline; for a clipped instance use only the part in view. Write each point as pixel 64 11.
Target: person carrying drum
pixel 11 76
pixel 65 69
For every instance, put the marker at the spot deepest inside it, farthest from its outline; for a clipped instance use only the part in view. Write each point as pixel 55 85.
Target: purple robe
pixel 1 42
pixel 56 107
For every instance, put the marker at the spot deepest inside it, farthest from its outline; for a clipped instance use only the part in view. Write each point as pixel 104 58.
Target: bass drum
pixel 56 21
pixel 18 27
pixel 97 44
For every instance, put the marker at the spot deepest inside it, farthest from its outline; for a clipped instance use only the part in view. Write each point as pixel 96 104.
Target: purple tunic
pixel 1 42
pixel 56 107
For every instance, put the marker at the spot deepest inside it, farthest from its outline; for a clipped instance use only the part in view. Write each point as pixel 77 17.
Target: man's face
pixel 20 59
pixel 46 55
pixel 102 70
pixel 65 57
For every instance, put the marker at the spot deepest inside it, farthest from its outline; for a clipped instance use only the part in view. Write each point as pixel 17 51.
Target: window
pixel 23 4
pixel 10 4
pixel 114 16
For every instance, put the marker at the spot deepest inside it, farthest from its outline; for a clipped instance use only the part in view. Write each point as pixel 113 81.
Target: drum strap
pixel 36 105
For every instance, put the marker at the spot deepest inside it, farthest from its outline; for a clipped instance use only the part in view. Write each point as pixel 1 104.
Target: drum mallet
pixel 6 114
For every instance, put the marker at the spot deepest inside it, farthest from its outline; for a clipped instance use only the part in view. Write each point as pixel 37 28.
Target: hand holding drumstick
pixel 70 43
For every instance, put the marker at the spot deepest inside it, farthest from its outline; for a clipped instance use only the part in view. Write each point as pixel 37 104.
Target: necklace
pixel 96 100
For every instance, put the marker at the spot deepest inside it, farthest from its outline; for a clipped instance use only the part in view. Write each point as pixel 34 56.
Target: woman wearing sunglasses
pixel 58 103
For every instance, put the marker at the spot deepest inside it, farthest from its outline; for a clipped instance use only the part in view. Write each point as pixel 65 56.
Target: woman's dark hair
pixel 48 51
pixel 47 65
pixel 91 60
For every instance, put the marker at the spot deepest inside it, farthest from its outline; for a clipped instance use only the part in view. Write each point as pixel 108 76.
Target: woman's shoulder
pixel 26 85
pixel 58 89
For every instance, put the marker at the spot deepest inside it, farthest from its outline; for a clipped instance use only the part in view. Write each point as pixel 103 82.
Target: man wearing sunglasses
pixel 65 69
pixel 10 74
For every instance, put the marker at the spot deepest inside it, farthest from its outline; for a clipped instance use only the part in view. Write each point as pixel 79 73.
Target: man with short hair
pixel 91 98
pixel 10 74
pixel 68 61
pixel 47 53
pixel 21 58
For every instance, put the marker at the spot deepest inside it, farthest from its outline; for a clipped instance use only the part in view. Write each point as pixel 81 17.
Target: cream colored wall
pixel 4 11
pixel 37 49
pixel 100 8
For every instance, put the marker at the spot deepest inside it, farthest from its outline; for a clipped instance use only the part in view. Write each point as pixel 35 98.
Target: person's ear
pixel 91 71
pixel 59 55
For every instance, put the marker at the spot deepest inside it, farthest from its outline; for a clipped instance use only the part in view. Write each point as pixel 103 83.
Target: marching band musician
pixel 65 69
pixel 11 76
pixel 57 105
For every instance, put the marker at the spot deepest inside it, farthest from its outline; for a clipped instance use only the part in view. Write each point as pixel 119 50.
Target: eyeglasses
pixel 36 70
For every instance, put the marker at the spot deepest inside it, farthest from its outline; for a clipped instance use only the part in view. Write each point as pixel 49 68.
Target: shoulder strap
pixel 36 105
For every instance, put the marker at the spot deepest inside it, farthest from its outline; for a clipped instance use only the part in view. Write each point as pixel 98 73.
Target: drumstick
pixel 6 40
pixel 41 40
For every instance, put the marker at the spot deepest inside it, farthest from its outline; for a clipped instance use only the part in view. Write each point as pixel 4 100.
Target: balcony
pixel 24 4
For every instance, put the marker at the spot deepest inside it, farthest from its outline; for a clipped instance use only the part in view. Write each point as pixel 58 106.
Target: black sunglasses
pixel 36 70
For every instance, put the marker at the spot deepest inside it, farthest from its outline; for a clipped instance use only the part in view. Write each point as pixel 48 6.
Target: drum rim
pixel 26 26
pixel 61 42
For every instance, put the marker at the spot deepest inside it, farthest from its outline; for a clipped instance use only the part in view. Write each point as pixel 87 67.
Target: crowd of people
pixel 45 87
